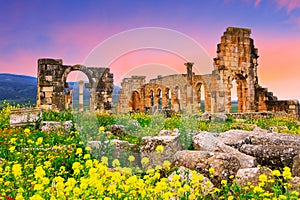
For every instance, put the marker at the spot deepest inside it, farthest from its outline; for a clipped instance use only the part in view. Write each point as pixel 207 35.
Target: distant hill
pixel 20 89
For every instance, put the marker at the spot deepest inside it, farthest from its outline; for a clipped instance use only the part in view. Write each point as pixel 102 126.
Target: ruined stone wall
pixel 236 60
pixel 52 76
pixel 285 106
pixel 129 85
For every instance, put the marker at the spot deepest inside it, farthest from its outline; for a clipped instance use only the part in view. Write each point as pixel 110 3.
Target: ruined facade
pixel 52 93
pixel 236 60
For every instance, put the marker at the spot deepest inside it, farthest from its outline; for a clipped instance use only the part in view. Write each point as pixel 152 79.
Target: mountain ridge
pixel 22 89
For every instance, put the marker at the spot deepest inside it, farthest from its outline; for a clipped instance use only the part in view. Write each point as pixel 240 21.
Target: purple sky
pixel 71 29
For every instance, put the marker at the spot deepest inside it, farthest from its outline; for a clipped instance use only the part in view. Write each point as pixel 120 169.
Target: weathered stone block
pixel 156 155
pixel 21 117
pixel 55 126
pixel 246 175
pixel 47 89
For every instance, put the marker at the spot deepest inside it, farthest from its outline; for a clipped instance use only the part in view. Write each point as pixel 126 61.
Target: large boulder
pixel 191 159
pixel 159 149
pixel 246 161
pixel 275 139
pixel 272 155
pixel 205 141
pixel 251 175
pixel 224 165
pixel 236 138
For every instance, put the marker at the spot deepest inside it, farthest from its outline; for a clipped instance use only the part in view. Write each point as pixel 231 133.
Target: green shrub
pixel 61 116
pixel 143 119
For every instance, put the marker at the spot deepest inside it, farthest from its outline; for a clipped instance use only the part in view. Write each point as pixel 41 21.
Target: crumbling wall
pixel 52 76
pixel 236 60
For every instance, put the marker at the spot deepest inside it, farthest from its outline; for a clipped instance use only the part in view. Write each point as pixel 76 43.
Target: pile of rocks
pixel 231 153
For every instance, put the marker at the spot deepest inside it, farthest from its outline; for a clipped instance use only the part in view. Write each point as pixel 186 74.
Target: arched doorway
pixel 169 98
pixel 234 97
pixel 136 101
pixel 77 95
pixel 200 95
pixel 237 100
pixel 159 98
pixel 152 97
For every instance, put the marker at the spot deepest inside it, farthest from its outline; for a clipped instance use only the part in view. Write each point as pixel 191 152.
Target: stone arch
pixel 159 96
pixel 77 94
pixel 199 86
pixel 242 93
pixel 152 97
pixel 168 97
pixel 136 100
pixel 52 76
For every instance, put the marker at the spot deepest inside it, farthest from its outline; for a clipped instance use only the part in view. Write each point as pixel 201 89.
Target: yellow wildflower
pixel 19 197
pixel 224 182
pixel 145 160
pixel 86 156
pixel 131 158
pixel 104 160
pixel 79 151
pixel 276 173
pixel 159 149
pixel 12 148
pixel 263 178
pixel 39 141
pixel 101 129
pixel 16 170
pixel 26 130
pixel 115 163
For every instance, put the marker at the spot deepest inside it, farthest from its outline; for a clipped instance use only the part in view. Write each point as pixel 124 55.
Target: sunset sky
pixel 72 30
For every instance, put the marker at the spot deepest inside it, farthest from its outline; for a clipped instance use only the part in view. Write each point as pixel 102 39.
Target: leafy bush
pixel 5 115
pixel 105 119
pixel 143 119
pixel 61 116
pixel 173 122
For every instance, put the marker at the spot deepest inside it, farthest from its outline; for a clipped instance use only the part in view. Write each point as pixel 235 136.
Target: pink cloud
pixel 256 3
pixel 289 5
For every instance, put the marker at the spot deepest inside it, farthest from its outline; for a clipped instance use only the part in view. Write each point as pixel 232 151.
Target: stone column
pixel 92 99
pixel 81 95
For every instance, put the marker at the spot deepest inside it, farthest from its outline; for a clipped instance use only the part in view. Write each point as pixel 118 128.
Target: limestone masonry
pixel 52 76
pixel 236 60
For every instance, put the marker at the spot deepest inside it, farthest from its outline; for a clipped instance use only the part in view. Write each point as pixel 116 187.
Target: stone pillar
pixel 92 99
pixel 81 95
pixel 189 71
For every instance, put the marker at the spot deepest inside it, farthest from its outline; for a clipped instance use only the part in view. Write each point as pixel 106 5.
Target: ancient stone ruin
pixel 53 92
pixel 236 60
